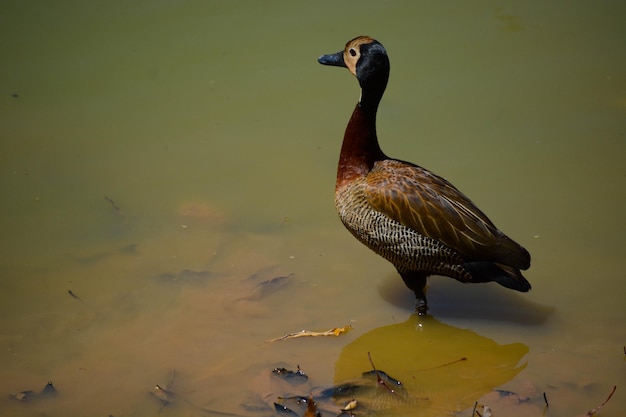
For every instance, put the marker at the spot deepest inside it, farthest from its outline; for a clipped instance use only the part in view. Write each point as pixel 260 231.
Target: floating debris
pixel 382 376
pixel 512 397
pixel 293 377
pixel 24 395
pixel 284 411
pixel 351 405
pixel 310 411
pixel 481 410
pixel 164 393
pixel 336 331
pixel 311 408
pixel 48 391
pixel 299 399
pixel 345 390
pixel 374 391
pixel 391 384
pixel 71 293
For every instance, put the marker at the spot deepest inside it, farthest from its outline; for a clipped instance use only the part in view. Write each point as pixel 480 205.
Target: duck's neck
pixel 360 149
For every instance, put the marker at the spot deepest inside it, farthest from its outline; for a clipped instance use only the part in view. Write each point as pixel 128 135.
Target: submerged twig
pixel 545 399
pixel 73 295
pixel 593 412
pixel 447 363
pixel 369 356
pixel 116 210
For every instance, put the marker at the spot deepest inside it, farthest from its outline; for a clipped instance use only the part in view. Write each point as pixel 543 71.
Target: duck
pixel 413 218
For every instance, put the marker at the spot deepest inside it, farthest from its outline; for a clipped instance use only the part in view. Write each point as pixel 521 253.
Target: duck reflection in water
pixel 438 367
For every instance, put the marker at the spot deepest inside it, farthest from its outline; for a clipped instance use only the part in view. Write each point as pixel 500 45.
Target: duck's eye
pixel 352 52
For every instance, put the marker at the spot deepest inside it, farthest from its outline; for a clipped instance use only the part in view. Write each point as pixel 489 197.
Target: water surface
pixel 165 161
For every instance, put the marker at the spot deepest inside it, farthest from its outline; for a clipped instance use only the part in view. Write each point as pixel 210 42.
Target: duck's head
pixel 364 57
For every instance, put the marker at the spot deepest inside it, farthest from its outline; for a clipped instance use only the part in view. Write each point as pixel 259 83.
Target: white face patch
pixel 352 52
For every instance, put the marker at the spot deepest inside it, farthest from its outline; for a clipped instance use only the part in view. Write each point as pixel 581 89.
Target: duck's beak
pixel 336 60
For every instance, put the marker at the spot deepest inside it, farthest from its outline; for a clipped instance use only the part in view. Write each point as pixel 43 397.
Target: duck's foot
pixel 421 307
pixel 416 281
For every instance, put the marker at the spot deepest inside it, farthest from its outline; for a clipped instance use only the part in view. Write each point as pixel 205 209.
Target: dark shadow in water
pixel 450 299
pixel 442 369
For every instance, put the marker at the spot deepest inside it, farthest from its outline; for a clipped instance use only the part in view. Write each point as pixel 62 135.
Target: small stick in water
pixel 448 363
pixel 73 295
pixel 593 412
pixel 545 398
pixel 114 206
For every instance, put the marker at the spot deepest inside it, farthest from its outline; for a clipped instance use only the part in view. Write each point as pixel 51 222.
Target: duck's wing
pixel 433 207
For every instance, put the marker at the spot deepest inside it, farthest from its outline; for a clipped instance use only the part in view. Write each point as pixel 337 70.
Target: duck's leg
pixel 416 281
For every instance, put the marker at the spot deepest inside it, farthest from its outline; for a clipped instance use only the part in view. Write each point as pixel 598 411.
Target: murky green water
pixel 164 161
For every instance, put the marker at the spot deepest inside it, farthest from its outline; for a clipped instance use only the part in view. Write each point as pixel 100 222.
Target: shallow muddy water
pixel 167 173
